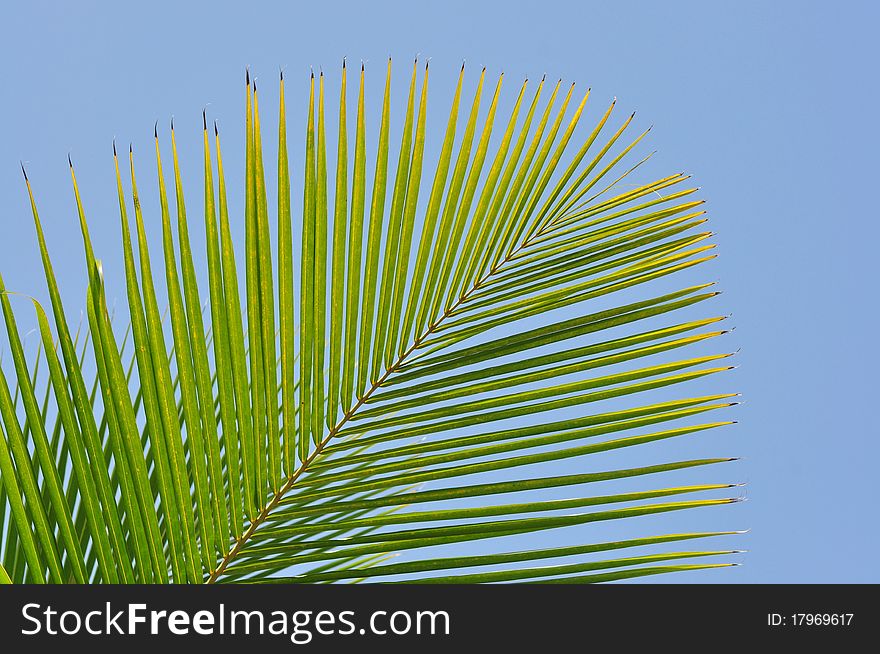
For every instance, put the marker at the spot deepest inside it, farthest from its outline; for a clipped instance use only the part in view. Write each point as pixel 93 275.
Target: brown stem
pixel 288 484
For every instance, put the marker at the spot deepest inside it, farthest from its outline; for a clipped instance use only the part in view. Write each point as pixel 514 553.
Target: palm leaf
pixel 422 383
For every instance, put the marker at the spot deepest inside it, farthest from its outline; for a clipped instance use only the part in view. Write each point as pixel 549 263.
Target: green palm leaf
pixel 428 373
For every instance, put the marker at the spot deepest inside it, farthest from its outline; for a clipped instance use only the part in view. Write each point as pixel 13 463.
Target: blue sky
pixel 769 105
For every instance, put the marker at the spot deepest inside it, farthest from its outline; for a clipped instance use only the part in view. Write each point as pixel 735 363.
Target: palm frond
pixel 415 386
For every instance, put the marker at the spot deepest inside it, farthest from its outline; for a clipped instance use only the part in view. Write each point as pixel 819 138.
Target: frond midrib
pixel 361 400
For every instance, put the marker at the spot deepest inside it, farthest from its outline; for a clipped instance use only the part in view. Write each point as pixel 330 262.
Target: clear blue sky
pixel 771 106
